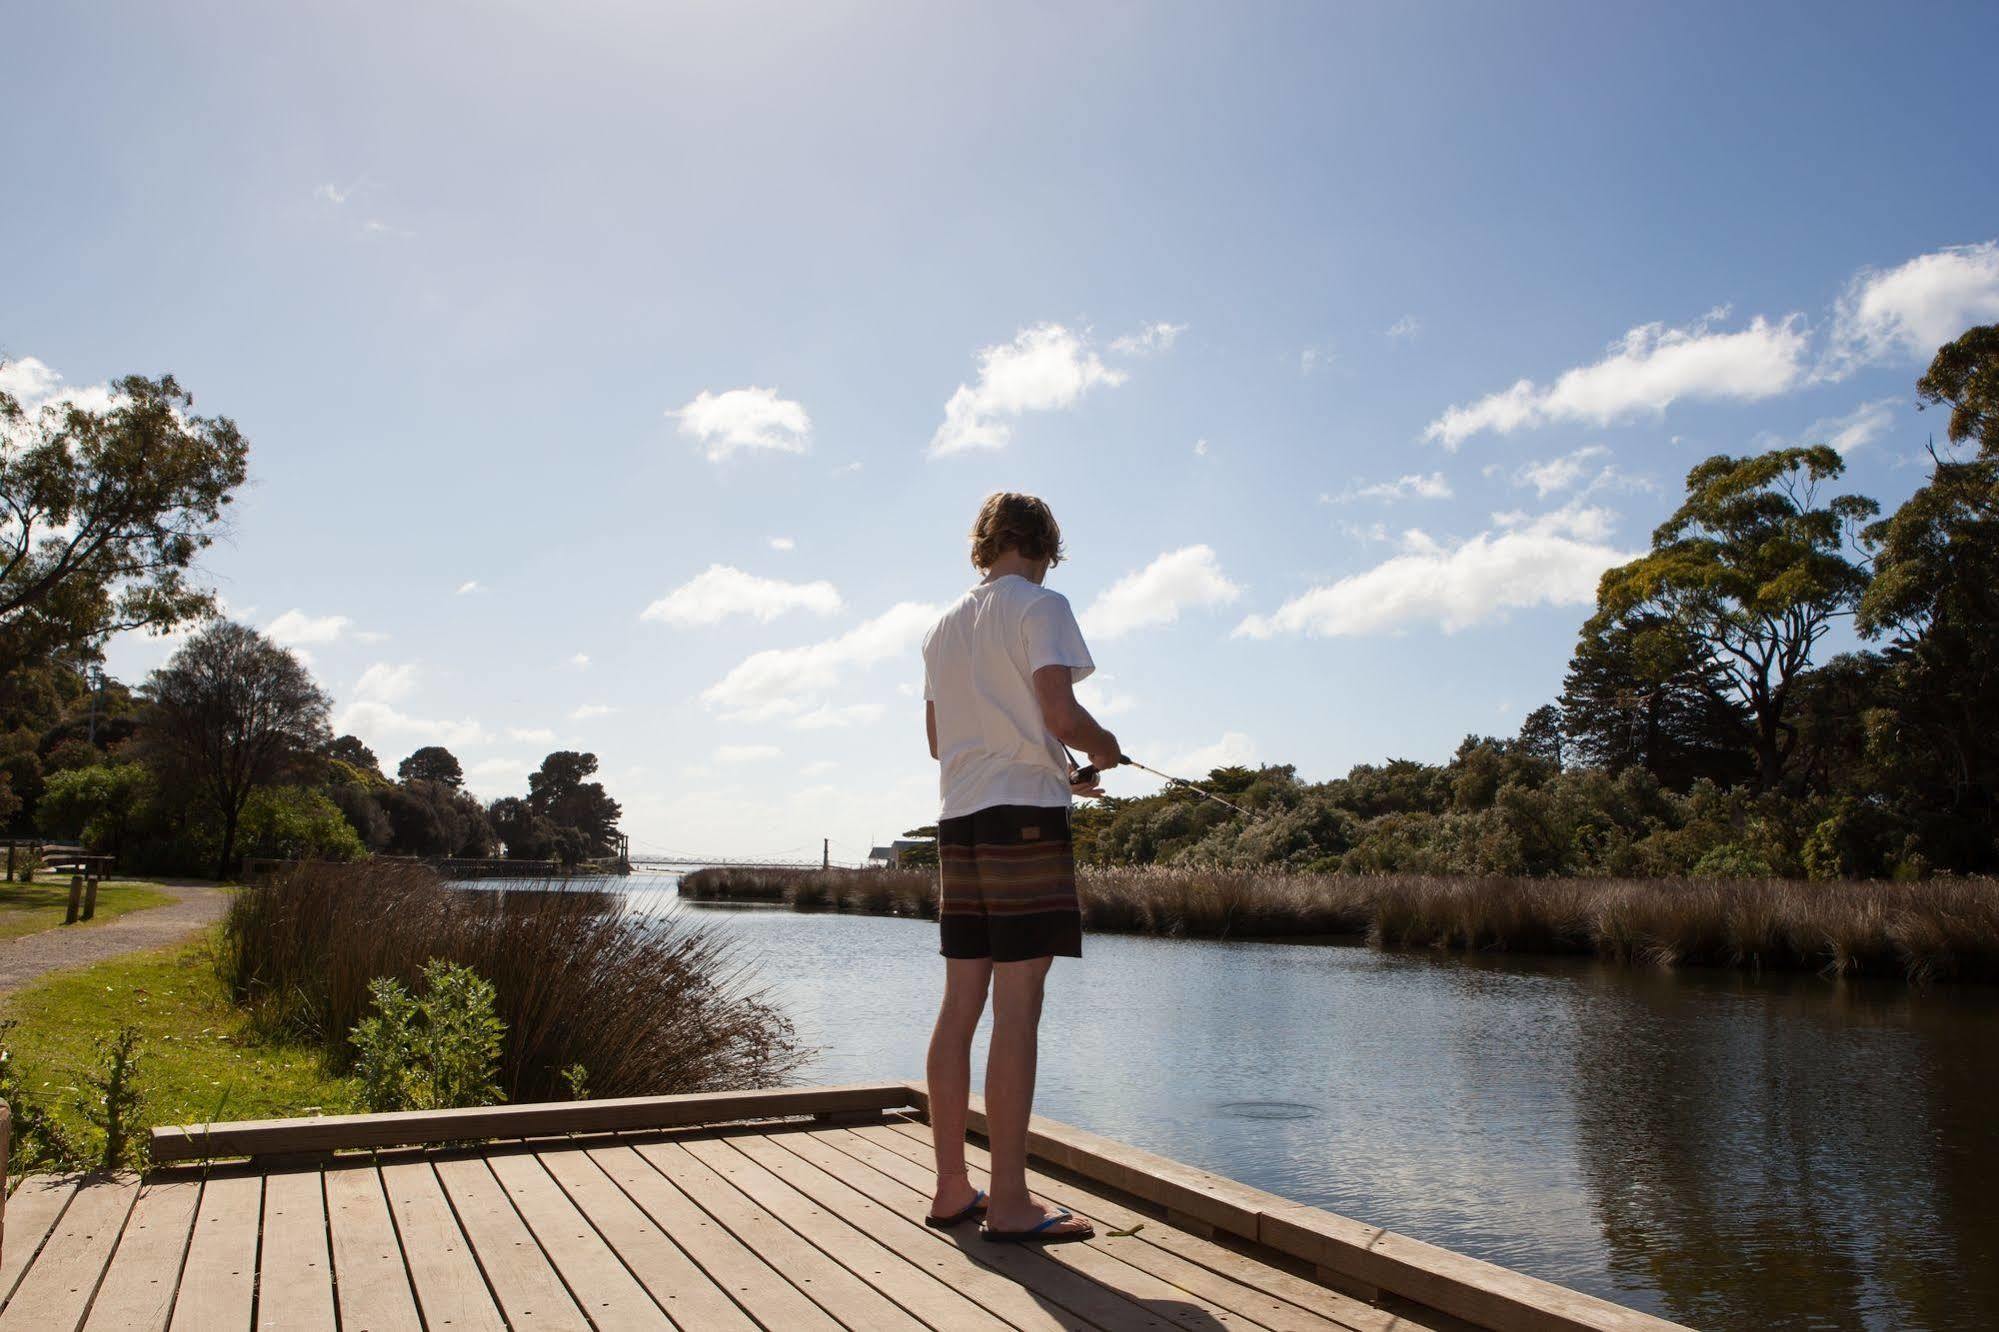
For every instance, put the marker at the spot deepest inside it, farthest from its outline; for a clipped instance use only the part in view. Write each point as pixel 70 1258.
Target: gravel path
pixel 32 956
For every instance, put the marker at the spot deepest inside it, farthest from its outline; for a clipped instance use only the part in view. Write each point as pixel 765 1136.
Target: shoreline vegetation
pixel 1934 930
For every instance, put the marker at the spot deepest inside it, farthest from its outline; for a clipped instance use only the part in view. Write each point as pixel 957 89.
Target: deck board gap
pixel 602 1238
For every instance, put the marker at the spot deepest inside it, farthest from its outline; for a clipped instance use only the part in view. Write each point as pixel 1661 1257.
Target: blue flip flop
pixel 1045 1233
pixel 976 1207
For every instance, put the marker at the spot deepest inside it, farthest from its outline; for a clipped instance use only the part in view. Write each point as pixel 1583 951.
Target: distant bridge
pixel 675 862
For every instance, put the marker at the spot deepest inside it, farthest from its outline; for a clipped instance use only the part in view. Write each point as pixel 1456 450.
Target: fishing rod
pixel 1091 773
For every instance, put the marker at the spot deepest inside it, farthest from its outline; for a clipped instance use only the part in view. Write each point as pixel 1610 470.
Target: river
pixel 1725 1150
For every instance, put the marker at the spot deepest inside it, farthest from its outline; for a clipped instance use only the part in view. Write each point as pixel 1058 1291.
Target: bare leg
pixel 1010 1094
pixel 948 1074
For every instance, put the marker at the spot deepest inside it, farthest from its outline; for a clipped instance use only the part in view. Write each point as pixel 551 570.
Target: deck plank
pixel 1273 1297
pixel 1096 1259
pixel 371 1279
pixel 218 1282
pixel 850 1300
pixel 1007 1299
pixel 690 1298
pixel 294 1270
pixel 610 1296
pixel 910 1286
pixel 530 1291
pixel 1032 1268
pixel 450 1289
pixel 137 1294
pixel 57 1288
pixel 762 1290
pixel 32 1210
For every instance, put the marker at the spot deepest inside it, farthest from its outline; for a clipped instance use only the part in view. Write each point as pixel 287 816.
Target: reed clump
pixel 647 1005
pixel 1938 929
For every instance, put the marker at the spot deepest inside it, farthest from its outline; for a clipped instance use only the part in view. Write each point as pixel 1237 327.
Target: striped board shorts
pixel 1006 884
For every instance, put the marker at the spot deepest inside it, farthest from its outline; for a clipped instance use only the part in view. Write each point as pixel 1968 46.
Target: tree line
pixel 226 751
pixel 1698 732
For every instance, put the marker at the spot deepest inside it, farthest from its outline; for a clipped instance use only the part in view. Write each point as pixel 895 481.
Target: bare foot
pixel 952 1196
pixel 1015 1220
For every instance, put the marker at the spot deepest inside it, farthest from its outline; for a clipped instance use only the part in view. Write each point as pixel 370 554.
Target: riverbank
pixel 1938 929
pixel 199 1055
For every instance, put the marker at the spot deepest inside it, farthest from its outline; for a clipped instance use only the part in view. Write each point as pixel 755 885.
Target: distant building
pixel 891 855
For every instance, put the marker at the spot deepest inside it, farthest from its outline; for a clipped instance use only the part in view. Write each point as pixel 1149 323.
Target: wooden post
pixel 10 861
pixel 90 896
pixel 75 899
pixel 6 1133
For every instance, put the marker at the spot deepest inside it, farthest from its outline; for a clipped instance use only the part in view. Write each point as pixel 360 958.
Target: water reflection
pixel 1726 1151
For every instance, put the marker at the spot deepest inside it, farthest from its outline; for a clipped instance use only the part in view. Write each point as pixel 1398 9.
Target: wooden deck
pixel 655 1214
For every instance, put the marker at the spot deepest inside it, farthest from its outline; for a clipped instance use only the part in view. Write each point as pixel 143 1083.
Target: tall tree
pixel 1754 567
pixel 106 511
pixel 432 763
pixel 350 749
pixel 1541 735
pixel 559 793
pixel 232 711
pixel 1641 693
pixel 1935 596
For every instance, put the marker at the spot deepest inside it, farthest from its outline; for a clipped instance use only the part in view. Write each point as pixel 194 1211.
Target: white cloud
pixel 386 728
pixel 1405 327
pixel 492 777
pixel 721 591
pixel 1647 370
pixel 847 469
pixel 745 418
pixel 818 768
pixel 1908 312
pixel 1859 427
pixel 789 682
pixel 1433 485
pixel 295 627
pixel 745 753
pixel 386 683
pixel 332 194
pixel 587 711
pixel 1552 474
pixel 827 716
pixel 468 587
pixel 783 543
pixel 35 386
pixel 1234 749
pixel 1314 359
pixel 1152 338
pixel 374 226
pixel 1200 448
pixel 581 661
pixel 1102 699
pixel 534 735
pixel 1157 593
pixel 1044 368
pixel 1552 560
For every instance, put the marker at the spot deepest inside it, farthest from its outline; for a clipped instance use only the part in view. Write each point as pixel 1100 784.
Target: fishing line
pixel 1090 774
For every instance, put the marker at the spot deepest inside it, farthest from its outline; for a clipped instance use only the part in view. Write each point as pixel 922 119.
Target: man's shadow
pixel 1089 1301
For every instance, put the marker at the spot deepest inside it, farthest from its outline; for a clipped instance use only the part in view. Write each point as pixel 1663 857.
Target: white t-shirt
pixel 979 661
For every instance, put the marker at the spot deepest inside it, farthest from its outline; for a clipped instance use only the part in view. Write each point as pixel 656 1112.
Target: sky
pixel 625 377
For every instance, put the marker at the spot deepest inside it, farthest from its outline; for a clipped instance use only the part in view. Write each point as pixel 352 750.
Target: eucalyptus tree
pixel 1755 569
pixel 105 510
pixel 230 712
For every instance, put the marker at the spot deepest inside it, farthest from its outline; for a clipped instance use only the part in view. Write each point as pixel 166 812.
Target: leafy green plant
pixel 577 1079
pixel 40 1141
pixel 436 1051
pixel 113 1102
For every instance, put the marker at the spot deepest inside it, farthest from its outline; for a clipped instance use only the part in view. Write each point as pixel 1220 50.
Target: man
pixel 998 674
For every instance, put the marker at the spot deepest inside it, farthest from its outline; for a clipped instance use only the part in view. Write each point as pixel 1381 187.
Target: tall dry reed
pixel 648 1006
pixel 1941 929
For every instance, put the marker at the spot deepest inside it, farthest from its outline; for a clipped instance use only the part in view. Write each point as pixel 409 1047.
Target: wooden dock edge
pixel 1349 1252
pixel 331 1133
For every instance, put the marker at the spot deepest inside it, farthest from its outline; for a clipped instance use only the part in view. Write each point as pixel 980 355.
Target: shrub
pixel 437 1051
pixel 649 1003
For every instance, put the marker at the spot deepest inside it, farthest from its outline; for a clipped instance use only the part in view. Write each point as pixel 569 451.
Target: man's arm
pixel 930 724
pixel 1071 722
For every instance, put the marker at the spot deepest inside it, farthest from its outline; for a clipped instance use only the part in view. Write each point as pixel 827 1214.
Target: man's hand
pixel 1089 788
pixel 1109 756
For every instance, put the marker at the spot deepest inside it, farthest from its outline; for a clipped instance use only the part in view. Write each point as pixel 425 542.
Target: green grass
pixel 198 1054
pixel 26 908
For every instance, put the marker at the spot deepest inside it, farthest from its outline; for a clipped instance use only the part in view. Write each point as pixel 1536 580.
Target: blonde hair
pixel 1020 523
